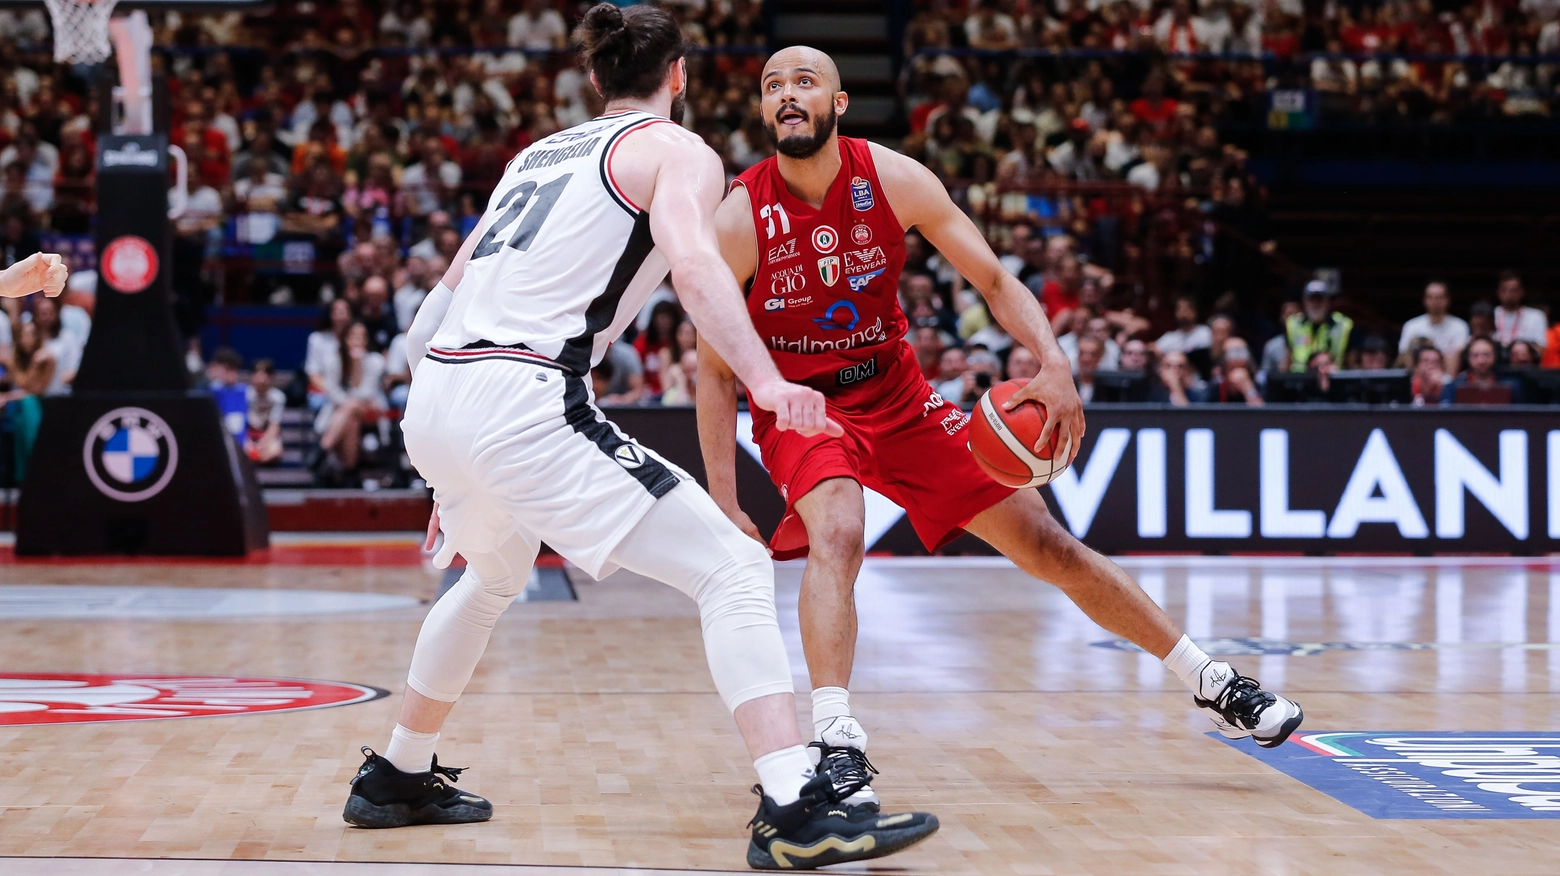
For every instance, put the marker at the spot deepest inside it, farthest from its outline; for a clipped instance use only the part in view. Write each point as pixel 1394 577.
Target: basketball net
pixel 86 32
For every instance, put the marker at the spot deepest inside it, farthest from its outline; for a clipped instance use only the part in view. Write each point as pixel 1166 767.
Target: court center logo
pixel 1425 774
pixel 130 454
pixel 70 698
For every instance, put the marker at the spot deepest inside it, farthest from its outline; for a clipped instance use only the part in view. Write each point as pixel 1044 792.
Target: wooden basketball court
pixel 594 727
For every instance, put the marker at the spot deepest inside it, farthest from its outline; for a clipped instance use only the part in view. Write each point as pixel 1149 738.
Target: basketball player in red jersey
pixel 817 235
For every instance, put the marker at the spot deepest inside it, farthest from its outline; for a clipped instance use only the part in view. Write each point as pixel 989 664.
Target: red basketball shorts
pixel 901 439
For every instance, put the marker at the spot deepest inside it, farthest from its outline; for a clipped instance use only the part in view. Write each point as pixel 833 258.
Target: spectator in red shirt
pixel 1153 108
pixel 664 319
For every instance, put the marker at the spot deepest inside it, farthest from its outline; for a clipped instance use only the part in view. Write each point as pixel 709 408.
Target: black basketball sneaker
pixel 820 829
pixel 1239 707
pixel 383 796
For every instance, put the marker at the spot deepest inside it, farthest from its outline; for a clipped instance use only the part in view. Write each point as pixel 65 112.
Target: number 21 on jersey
pixel 769 212
pixel 542 200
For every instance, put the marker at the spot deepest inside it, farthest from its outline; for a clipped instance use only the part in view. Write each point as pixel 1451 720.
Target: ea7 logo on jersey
pixel 856 373
pixel 829 269
pixel 825 239
pixel 629 455
pixel 787 281
pixel 861 194
pixel 784 252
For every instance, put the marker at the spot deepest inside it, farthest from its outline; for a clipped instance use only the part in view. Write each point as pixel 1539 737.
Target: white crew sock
pixel 829 703
pixel 1199 672
pixel 783 773
pixel 410 751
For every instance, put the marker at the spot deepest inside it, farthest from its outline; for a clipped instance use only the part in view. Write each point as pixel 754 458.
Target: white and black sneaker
pixel 1239 707
pixel 842 750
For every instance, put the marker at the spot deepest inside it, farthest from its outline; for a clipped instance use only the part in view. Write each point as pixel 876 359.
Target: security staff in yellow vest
pixel 1317 328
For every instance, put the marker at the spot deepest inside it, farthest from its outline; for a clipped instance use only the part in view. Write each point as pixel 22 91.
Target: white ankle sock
pixel 829 703
pixel 1197 670
pixel 410 751
pixel 783 773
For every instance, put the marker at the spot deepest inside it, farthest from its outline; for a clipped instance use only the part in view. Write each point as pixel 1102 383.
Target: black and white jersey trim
pixel 585 419
pixel 486 351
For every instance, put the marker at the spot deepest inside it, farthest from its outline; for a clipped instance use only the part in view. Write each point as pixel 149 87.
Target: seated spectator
pixel 1513 321
pixel 1447 332
pixel 66 346
pixel 1275 353
pixel 1022 364
pixel 928 344
pixel 316 212
pixel 682 379
pixel 31 369
pixel 355 398
pixel 657 336
pixel 1321 366
pixel 1134 356
pixel 1524 354
pixel 324 345
pixel 1090 350
pixel 679 369
pixel 1429 377
pixel 982 370
pixel 263 435
pixel 1188 334
pixel 398 373
pixel 1318 328
pixel 1098 328
pixel 1372 355
pixel 1178 382
pixel 1235 383
pixel 377 314
pixel 1481 321
pixel 538 27
pixel 1480 375
pixel 259 197
pixel 222 376
pixel 625 379
pixel 949 380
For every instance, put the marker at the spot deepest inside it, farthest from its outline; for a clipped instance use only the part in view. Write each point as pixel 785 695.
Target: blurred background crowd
pixel 1119 157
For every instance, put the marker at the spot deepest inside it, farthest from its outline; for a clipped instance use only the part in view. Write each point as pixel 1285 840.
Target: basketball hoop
pixel 81 30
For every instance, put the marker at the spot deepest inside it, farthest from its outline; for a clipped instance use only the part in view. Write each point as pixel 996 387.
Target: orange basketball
pixel 1003 441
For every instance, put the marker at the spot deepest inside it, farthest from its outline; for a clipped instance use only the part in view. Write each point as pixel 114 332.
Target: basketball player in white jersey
pixel 40 272
pixel 500 420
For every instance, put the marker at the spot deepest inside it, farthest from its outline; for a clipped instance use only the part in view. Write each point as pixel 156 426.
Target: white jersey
pixel 567 260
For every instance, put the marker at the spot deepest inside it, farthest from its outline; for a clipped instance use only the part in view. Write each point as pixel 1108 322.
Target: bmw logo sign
pixel 130 454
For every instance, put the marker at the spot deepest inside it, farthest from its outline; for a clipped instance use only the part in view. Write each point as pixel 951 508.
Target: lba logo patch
pixel 68 698
pixel 825 239
pixel 861 194
pixel 130 454
pixel 1426 774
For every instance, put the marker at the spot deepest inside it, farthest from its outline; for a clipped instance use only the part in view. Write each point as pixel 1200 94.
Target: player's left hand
pixel 1053 390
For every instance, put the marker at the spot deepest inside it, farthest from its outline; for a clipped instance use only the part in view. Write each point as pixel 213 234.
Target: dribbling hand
pixel 796 408
pixel 1053 389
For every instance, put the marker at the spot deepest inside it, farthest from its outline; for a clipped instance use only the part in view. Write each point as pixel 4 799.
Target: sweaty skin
pixel 799 86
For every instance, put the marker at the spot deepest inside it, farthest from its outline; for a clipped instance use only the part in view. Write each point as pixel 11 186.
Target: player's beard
pixel 679 106
pixel 802 145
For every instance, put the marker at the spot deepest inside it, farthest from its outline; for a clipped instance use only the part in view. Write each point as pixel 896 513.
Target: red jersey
pixel 825 293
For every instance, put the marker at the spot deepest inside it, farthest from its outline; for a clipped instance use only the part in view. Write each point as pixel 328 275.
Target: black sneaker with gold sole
pixel 819 829
pixel 383 796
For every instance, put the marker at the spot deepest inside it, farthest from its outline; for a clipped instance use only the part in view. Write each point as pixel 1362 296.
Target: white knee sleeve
pixel 686 541
pixel 457 628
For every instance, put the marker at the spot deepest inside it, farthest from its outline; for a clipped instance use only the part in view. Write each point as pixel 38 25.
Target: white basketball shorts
pixel 510 443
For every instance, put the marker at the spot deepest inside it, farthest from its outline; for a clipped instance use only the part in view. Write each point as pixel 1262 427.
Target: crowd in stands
pixel 339 153
pixel 1432 61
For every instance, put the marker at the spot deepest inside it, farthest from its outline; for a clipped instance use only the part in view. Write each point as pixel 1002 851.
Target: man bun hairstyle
pixel 628 49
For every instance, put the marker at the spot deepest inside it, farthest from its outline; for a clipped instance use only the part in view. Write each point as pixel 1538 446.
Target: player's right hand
pixel 40 272
pixel 796 408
